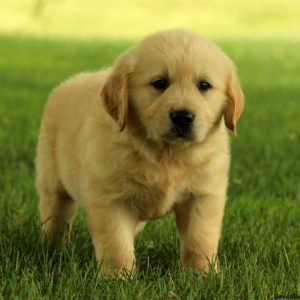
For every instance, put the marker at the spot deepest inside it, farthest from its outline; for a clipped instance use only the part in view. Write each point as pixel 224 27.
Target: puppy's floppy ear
pixel 115 91
pixel 235 98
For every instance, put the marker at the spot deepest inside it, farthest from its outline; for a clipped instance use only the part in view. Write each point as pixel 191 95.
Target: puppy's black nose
pixel 182 118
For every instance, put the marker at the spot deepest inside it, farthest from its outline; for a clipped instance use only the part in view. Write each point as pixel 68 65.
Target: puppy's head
pixel 175 87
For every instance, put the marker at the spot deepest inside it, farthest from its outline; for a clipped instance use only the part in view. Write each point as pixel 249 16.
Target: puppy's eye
pixel 204 86
pixel 160 84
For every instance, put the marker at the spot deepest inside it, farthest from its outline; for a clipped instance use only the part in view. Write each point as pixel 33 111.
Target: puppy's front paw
pixel 110 269
pixel 200 263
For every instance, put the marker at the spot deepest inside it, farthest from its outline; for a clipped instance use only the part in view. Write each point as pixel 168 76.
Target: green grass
pixel 259 250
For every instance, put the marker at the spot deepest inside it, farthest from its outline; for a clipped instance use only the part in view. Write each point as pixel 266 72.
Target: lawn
pixel 260 245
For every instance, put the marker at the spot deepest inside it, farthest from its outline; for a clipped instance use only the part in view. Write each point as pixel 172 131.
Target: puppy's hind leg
pixel 56 207
pixel 57 210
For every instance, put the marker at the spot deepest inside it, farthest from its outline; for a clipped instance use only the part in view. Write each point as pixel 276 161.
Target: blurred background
pixel 134 18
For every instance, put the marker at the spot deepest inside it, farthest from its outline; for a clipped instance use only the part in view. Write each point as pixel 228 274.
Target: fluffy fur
pixel 105 142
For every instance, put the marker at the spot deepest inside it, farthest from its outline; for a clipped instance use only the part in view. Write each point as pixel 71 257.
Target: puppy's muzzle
pixel 182 118
pixel 182 121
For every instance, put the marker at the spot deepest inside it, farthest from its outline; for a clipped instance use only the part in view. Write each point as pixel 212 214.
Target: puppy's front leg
pixel 199 221
pixel 112 228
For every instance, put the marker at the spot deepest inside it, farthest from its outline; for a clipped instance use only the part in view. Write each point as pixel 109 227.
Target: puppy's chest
pixel 154 192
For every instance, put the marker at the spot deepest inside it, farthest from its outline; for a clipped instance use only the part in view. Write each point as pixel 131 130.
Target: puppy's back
pixel 69 102
pixel 68 108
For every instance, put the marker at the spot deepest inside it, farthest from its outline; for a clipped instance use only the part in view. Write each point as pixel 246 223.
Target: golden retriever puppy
pixel 139 140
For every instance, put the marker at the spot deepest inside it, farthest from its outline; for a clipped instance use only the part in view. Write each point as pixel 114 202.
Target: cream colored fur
pixel 102 143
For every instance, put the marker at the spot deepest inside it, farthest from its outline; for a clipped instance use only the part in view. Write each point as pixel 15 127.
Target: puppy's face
pixel 177 87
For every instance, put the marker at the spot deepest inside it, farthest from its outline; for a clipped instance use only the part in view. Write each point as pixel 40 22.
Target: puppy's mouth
pixel 180 134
